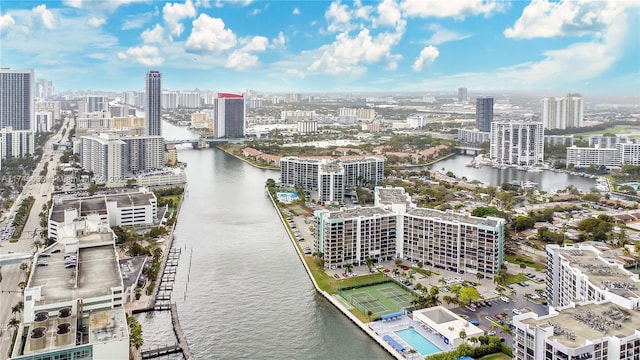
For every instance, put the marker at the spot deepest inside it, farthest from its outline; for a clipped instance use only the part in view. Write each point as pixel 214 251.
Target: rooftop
pixel 453 217
pixel 98 204
pixel 574 327
pixel 95 274
pixel 602 273
pixel 395 195
pixel 358 212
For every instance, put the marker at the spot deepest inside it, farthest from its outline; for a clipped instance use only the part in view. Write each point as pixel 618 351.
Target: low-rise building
pixel 447 325
pixel 73 301
pixel 123 209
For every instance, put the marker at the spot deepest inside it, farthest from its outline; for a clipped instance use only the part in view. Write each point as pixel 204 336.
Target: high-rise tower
pixel 484 113
pixel 563 112
pixel 17 107
pixel 462 94
pixel 152 103
pixel 229 119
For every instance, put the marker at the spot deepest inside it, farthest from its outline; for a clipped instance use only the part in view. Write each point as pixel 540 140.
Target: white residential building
pixel 614 157
pixel 396 228
pixel 517 143
pixel 16 143
pixel 44 121
pixel 473 136
pixel 307 126
pixel 122 209
pixel 582 273
pixel 104 156
pixel 322 176
pixel 85 320
pixel 563 112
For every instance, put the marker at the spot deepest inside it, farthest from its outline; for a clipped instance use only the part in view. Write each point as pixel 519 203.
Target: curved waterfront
pixel 247 295
pixel 546 180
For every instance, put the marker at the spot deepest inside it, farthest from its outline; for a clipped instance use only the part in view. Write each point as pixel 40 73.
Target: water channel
pixel 246 295
pixel 241 291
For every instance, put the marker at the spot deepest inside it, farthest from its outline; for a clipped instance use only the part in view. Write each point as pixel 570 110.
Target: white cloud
pixel 96 22
pixel 427 56
pixel 153 35
pixel 442 35
pixel 543 19
pixel 45 15
pixel 241 61
pixel 279 41
pixel 220 3
pixel 347 54
pixel 145 55
pixel 389 13
pixel 209 35
pixel 138 20
pixel 444 8
pixel 203 3
pixel 173 13
pixel 6 21
pixel 296 11
pixel 338 17
pixel 110 5
pixel 255 12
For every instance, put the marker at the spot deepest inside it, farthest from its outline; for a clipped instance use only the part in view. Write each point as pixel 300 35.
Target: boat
pixel 534 169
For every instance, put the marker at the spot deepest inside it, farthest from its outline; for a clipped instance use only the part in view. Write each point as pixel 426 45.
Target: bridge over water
pixel 200 142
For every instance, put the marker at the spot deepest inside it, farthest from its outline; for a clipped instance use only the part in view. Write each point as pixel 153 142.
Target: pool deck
pixel 389 327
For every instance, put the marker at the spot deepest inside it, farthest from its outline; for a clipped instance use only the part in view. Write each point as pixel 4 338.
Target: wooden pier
pixel 177 329
pixel 161 351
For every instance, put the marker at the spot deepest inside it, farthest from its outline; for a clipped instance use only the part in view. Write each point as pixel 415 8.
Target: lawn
pixel 515 278
pixel 519 259
pixel 631 130
pixel 331 285
pixel 496 356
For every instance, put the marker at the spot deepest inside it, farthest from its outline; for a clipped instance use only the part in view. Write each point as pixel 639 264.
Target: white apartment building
pixel 44 121
pixel 331 183
pixel 593 313
pixel 85 320
pixel 517 143
pixel 16 143
pixel 396 228
pixel 594 331
pixel 144 153
pixel 353 235
pixel 614 157
pixel 562 112
pixel 473 136
pixel 103 155
pixel 330 178
pixel 93 120
pixel 95 103
pixel 307 126
pixel 610 141
pixel 365 114
pixel 298 115
pixel 189 100
pixel 124 209
pixel 559 139
pixel 583 273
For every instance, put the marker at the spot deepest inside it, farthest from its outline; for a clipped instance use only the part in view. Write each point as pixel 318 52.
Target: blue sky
pixel 590 46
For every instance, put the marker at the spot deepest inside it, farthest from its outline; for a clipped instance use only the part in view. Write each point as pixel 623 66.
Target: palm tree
pixel 473 340
pixel 17 308
pixel 448 300
pixel 348 267
pixel 13 324
pixel 369 262
pixel 396 272
pixel 24 266
pixel 506 329
pixel 463 335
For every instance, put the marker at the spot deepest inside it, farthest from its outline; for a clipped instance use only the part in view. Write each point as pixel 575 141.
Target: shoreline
pixel 247 161
pixel 337 304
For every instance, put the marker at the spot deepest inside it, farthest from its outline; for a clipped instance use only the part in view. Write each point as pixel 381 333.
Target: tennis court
pixel 299 210
pixel 379 299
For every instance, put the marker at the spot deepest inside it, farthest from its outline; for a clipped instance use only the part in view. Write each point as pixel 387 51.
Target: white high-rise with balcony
pixel 562 112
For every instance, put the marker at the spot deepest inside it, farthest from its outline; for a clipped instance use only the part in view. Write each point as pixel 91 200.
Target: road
pixel 11 274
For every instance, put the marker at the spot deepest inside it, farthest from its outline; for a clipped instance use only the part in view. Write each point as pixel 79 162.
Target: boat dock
pixel 161 351
pixel 177 329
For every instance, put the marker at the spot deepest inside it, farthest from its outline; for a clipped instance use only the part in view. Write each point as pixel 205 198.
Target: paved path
pixel 11 274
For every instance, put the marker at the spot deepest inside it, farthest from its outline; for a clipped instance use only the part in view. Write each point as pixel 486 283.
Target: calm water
pixel 547 180
pixel 241 290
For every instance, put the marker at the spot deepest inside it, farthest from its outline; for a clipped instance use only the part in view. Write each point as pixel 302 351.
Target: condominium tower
pixel 462 94
pixel 517 143
pixel 230 113
pixel 396 228
pixel 152 103
pixel 562 112
pixel 484 113
pixel 17 107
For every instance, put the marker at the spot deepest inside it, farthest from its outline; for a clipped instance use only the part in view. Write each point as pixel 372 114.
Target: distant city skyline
pixel 322 46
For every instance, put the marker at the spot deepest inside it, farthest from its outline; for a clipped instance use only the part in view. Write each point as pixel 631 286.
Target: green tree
pixel 348 267
pixel 468 294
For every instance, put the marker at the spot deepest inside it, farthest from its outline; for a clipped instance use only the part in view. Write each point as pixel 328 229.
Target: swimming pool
pixel 417 341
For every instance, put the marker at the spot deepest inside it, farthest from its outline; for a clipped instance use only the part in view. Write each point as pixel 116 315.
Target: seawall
pixel 328 296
